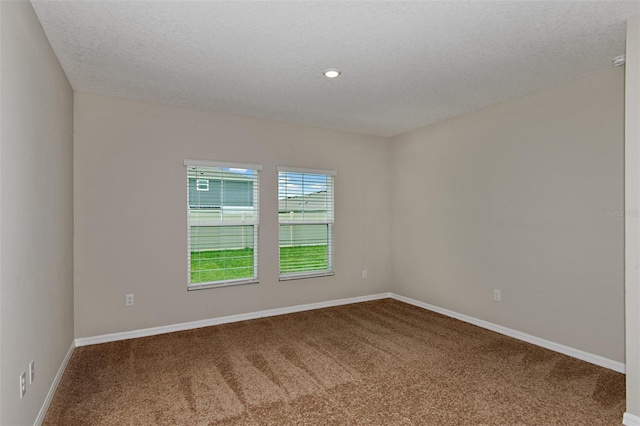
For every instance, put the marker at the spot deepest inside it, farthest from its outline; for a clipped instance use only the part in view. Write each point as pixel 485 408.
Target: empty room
pixel 319 212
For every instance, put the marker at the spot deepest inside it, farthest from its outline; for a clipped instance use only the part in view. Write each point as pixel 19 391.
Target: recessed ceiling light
pixel 619 61
pixel 331 73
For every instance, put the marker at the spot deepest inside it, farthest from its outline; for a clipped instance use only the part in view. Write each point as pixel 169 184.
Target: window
pixel 305 215
pixel 222 223
pixel 202 184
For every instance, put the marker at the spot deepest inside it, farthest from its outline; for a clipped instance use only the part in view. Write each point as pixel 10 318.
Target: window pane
pixel 305 214
pixel 303 248
pixel 304 196
pixel 221 253
pixel 222 214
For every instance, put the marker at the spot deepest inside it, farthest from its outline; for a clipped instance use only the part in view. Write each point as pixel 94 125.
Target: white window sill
pixel 230 283
pixel 303 275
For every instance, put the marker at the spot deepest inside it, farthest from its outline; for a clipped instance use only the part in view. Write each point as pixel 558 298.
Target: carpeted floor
pixel 381 362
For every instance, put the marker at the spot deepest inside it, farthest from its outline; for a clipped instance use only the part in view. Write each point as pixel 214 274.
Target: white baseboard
pixel 575 353
pixel 630 420
pixel 84 341
pixel 54 386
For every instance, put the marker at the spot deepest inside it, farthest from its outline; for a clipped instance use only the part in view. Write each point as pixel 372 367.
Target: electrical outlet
pixel 497 296
pixel 32 371
pixel 364 274
pixel 129 300
pixel 23 384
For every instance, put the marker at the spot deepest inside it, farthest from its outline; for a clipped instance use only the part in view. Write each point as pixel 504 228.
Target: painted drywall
pixel 525 197
pixel 130 211
pixel 632 222
pixel 37 212
pixel 1 72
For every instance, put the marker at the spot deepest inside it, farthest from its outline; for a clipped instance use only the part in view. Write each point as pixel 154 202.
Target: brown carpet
pixel 381 362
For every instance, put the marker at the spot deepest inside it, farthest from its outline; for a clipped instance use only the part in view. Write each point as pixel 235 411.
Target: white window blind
pixel 305 216
pixel 222 222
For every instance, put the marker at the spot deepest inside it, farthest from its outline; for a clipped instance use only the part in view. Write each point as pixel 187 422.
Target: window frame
pixel 330 222
pixel 255 222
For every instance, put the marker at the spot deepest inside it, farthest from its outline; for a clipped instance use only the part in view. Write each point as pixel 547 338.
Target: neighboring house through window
pixel 305 216
pixel 222 223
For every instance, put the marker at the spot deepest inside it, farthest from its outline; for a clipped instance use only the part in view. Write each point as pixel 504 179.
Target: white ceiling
pixel 404 64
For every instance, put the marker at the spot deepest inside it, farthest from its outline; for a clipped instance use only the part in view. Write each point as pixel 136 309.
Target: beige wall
pixel 130 211
pixel 36 187
pixel 632 200
pixel 513 197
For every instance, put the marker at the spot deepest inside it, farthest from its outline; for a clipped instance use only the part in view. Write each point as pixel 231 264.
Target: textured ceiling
pixel 404 64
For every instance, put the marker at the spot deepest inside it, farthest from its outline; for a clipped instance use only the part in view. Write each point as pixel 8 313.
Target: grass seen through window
pixel 218 265
pixel 303 258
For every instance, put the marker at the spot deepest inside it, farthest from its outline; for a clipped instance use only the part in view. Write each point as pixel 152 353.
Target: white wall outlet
pixel 23 384
pixel 497 296
pixel 32 371
pixel 364 274
pixel 129 300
